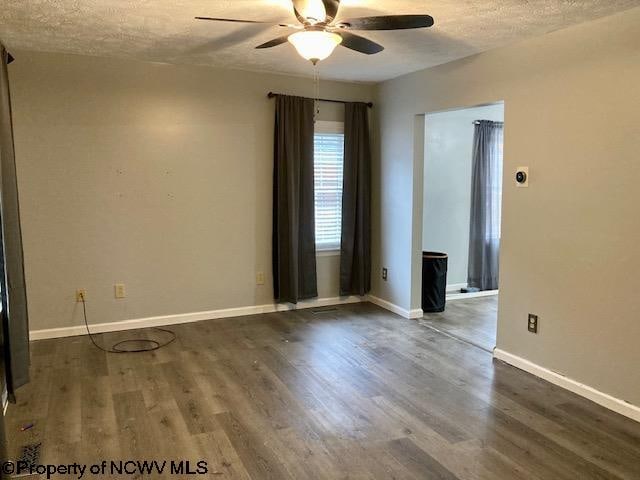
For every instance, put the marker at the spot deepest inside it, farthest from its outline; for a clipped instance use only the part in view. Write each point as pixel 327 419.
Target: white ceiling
pixel 165 31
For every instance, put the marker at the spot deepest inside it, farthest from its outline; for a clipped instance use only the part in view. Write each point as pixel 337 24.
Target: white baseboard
pixel 612 403
pixel 455 287
pixel 462 296
pixel 403 312
pixel 165 320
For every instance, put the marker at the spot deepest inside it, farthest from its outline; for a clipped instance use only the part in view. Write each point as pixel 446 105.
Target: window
pixel 495 183
pixel 328 165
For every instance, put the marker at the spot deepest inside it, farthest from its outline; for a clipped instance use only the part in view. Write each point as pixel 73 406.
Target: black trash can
pixel 434 281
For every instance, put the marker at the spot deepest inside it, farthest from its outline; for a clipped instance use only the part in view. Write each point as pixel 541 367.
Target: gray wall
pixel 570 240
pixel 447 184
pixel 152 175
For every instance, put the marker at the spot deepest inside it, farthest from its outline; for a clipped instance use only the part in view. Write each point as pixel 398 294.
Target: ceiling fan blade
pixel 331 9
pixel 233 20
pixel 299 7
pixel 275 42
pixel 387 22
pixel 319 11
pixel 235 36
pixel 359 44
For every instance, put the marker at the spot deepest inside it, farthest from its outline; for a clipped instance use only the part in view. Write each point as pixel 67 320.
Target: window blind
pixel 328 170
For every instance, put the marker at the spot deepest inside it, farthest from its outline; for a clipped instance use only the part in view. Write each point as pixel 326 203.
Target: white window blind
pixel 328 168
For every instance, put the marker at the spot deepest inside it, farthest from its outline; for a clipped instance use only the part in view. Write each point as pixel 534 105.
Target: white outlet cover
pixel 81 292
pixel 526 172
pixel 119 290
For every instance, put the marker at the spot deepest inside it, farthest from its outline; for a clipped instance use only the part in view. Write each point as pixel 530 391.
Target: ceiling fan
pixel 320 32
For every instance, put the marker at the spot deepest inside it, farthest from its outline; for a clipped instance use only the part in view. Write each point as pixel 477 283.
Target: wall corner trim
pixel 612 403
pixel 403 312
pixel 165 320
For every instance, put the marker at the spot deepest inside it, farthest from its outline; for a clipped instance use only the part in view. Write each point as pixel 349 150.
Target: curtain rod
pixel 368 104
pixel 477 122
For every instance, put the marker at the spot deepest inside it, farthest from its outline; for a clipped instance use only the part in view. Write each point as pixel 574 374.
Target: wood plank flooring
pixel 473 320
pixel 357 393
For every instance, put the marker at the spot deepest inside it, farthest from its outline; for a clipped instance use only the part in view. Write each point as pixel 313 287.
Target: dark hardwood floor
pixel 473 320
pixel 357 393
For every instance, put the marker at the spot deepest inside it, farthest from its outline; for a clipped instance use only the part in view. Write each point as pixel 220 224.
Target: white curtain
pixel 486 198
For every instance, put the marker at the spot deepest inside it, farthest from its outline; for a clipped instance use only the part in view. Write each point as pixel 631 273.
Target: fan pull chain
pixel 316 93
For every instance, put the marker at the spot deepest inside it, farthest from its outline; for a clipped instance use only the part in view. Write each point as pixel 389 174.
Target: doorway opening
pixel 461 215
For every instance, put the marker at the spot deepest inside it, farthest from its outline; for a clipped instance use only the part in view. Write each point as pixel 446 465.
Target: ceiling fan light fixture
pixel 315 45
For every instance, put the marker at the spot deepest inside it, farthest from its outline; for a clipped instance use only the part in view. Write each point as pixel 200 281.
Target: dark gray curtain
pixel 486 193
pixel 294 247
pixel 15 334
pixel 355 245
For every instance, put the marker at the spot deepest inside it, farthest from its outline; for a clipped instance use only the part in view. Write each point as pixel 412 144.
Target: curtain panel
pixel 355 245
pixel 294 249
pixel 486 193
pixel 15 332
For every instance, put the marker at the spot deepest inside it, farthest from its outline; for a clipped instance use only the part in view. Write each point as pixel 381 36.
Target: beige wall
pixel 569 241
pixel 151 175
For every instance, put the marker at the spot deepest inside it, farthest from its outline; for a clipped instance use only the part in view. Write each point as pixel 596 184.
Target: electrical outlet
pixel 119 291
pixel 532 323
pixel 260 278
pixel 80 294
pixel 384 274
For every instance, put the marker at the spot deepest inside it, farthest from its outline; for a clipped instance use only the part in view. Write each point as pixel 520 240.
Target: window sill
pixel 333 252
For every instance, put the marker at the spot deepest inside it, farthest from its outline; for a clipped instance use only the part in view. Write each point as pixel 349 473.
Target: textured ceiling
pixel 165 31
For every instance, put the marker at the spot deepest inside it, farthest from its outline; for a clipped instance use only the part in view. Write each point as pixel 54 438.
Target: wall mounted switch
pixel 260 278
